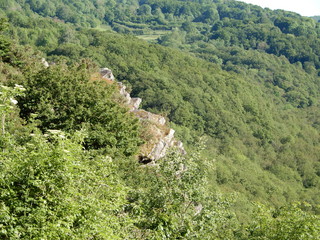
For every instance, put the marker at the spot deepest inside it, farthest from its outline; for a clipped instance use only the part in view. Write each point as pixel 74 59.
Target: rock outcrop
pixel 45 63
pixel 107 73
pixel 145 115
pixel 133 103
pixel 160 138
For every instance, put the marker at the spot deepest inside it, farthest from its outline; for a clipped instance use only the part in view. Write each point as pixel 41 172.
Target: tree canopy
pixel 243 78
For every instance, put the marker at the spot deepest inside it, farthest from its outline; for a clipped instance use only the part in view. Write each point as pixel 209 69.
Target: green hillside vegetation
pixel 254 98
pixel 53 186
pixel 252 116
pixel 193 22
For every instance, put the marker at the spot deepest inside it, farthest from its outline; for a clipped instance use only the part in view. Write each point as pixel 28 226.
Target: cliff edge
pixel 159 137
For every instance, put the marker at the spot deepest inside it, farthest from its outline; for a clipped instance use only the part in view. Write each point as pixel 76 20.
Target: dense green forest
pixel 191 24
pixel 241 80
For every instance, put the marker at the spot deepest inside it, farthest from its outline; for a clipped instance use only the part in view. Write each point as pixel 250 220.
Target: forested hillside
pixel 243 79
pixel 189 24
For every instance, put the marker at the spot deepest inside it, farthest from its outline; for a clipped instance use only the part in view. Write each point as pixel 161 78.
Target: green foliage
pixel 51 189
pixel 286 223
pixel 6 54
pixel 254 92
pixel 248 111
pixel 7 101
pixel 172 202
pixel 64 98
pixel 231 22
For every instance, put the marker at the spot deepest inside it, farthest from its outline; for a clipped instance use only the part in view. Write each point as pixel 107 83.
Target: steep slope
pixel 256 98
pixel 160 138
pixel 260 144
pixel 56 185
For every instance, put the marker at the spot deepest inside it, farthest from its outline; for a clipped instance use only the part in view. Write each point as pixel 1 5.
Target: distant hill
pixel 190 24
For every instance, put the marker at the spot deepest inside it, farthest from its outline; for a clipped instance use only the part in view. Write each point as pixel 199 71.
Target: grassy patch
pixel 153 35
pixel 103 27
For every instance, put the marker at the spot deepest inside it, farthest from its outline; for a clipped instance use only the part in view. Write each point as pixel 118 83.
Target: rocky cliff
pixel 159 137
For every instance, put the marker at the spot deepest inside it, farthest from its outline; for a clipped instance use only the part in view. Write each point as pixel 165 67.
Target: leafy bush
pixel 64 98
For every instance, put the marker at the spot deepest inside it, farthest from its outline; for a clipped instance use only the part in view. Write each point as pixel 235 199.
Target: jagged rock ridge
pixel 161 139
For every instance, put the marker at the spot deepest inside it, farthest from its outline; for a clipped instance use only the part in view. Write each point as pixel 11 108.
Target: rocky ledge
pixel 159 137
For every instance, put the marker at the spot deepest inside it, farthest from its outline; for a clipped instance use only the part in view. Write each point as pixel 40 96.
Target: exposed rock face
pixel 107 73
pixel 142 114
pixel 162 137
pixel 134 103
pixel 123 92
pixel 160 149
pixel 44 62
